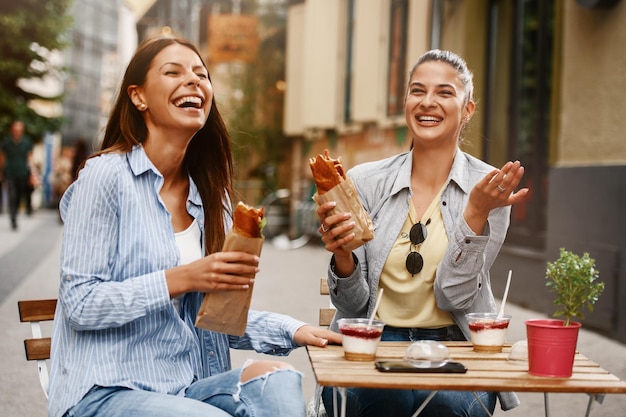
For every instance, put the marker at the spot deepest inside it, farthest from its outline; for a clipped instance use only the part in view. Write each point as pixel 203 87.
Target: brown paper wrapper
pixel 347 199
pixel 226 311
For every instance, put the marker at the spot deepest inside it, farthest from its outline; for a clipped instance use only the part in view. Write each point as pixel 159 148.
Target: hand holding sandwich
pixel 344 221
pixel 227 270
pixel 215 272
pixel 337 230
pixel 328 173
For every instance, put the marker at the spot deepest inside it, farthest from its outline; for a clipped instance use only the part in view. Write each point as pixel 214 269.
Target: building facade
pixel 548 77
pixel 101 40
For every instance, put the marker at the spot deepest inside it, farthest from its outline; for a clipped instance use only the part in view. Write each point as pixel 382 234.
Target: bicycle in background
pixel 290 225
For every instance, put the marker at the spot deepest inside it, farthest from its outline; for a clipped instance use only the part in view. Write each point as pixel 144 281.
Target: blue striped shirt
pixel 115 322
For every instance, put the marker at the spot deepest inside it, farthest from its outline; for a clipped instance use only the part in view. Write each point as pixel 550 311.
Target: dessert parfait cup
pixel 359 339
pixel 487 331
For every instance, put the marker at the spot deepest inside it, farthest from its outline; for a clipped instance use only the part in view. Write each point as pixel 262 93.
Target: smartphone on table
pixel 420 366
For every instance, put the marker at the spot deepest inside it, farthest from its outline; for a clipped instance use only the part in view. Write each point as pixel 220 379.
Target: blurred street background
pixel 295 77
pixel 288 283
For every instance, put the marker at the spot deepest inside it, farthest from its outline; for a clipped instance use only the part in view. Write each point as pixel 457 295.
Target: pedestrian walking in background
pixel 17 151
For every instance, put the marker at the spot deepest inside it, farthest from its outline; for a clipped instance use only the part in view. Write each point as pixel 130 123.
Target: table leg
pixel 482 404
pixel 342 393
pixel 546 404
pixel 589 405
pixel 425 403
pixel 592 399
pixel 432 394
pixel 344 400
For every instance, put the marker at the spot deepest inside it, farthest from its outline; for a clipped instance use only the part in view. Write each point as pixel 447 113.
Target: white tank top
pixel 189 248
pixel 188 242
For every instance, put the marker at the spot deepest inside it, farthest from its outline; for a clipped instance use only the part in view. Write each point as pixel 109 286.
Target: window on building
pixel 347 93
pixel 397 57
pixel 518 86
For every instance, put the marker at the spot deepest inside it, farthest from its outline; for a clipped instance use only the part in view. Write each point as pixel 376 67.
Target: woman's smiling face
pixel 177 90
pixel 436 106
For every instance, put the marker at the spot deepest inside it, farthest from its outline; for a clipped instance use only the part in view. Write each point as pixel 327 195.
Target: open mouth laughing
pixel 429 119
pixel 189 102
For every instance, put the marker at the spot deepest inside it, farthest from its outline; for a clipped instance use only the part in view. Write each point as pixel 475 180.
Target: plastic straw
pixel 378 298
pixel 506 293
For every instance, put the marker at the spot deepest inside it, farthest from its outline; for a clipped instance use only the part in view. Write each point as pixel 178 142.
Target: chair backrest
pixel 37 348
pixel 326 314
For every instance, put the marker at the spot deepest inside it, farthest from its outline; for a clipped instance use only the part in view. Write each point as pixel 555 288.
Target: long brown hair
pixel 208 158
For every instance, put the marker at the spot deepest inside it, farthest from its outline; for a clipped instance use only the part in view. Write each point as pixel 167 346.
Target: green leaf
pixel 572 278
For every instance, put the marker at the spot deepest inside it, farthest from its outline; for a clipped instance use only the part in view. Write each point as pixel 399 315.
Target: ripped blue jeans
pixel 275 394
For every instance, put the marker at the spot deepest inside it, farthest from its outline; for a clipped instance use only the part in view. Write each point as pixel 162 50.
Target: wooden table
pixel 486 372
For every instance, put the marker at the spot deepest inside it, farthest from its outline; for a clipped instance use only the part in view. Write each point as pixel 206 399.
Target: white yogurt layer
pixel 359 344
pixel 488 337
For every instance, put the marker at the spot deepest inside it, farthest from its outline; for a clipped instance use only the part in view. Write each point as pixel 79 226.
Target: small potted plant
pixel 552 342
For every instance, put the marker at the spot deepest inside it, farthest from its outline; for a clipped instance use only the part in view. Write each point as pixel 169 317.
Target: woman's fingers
pixel 505 180
pixel 498 188
pixel 228 270
pixel 323 209
pixel 215 282
pixel 509 177
pixel 336 229
pixel 338 236
pixel 518 196
pixel 330 221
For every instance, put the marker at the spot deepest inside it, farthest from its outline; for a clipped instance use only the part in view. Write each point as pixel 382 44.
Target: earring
pixel 142 106
pixel 466 120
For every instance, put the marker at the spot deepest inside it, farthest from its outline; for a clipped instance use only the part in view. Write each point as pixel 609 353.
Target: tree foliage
pixel 30 28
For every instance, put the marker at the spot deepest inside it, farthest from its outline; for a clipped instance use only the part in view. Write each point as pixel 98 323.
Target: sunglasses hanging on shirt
pixel 417 235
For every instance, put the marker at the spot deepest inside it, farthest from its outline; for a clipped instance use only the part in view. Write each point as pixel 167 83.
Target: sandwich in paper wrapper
pixel 332 185
pixel 226 311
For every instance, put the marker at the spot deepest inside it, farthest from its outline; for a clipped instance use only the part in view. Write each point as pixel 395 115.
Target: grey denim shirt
pixel 462 283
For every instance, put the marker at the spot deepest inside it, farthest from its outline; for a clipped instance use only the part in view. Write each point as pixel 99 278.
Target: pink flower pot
pixel 551 347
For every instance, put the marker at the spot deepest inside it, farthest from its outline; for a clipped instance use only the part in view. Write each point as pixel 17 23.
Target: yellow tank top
pixel 409 300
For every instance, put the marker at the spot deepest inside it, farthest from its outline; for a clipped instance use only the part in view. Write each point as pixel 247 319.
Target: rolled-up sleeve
pixel 465 266
pixel 269 333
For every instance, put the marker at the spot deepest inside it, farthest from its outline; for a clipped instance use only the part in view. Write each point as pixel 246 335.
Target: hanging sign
pixel 233 38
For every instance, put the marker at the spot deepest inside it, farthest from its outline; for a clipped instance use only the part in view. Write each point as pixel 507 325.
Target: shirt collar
pixel 403 179
pixel 458 172
pixel 140 163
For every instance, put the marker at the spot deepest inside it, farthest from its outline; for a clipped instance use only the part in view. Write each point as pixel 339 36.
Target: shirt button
pixel 68 278
pixel 444 203
pixel 211 353
pixel 468 241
